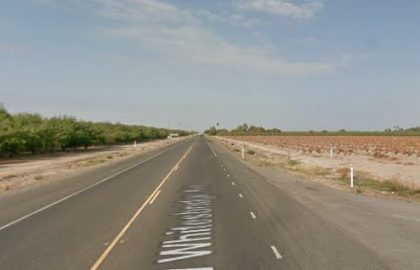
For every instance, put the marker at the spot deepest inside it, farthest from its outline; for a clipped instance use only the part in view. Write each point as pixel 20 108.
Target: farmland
pixel 381 160
pixel 377 146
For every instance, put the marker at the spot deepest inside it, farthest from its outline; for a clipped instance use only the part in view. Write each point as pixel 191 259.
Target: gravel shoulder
pixel 21 173
pixel 389 228
pixel 390 178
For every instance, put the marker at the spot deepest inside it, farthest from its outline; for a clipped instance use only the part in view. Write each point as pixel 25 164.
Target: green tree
pixel 211 131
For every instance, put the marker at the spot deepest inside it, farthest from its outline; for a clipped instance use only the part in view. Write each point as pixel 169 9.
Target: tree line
pixel 243 129
pixel 246 129
pixel 31 133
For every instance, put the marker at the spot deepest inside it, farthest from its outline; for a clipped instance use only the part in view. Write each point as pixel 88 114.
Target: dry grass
pixel 292 162
pixel 38 177
pixel 318 171
pixel 343 172
pixel 364 183
pixel 391 186
pixel 9 176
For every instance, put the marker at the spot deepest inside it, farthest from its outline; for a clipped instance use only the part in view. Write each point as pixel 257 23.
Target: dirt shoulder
pixel 372 176
pixel 22 172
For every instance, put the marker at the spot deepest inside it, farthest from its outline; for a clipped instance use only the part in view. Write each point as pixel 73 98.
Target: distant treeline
pixel 31 133
pixel 245 129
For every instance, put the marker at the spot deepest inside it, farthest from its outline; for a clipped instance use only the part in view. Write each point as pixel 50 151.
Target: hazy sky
pixel 314 64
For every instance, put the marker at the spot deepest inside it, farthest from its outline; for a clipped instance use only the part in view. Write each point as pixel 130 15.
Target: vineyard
pixel 378 146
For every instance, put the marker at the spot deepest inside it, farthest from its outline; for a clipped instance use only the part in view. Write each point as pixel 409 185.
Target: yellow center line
pixel 138 212
pixel 154 197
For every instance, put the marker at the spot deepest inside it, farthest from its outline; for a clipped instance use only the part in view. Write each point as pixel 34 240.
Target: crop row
pixel 379 146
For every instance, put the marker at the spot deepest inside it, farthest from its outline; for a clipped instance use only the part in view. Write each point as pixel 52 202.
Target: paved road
pixel 189 206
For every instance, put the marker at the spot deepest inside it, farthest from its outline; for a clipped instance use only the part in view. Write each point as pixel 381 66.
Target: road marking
pixel 276 252
pixel 228 175
pixel 212 150
pixel 154 197
pixel 253 215
pixel 176 168
pixel 233 183
pixel 407 218
pixel 79 191
pixel 199 268
pixel 133 218
pixel 193 235
pixel 240 195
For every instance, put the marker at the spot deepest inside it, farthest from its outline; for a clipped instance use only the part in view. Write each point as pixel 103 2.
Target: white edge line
pixel 78 192
pixel 199 268
pixel 276 252
pixel 253 215
pixel 212 150
pixel 240 195
pixel 233 183
pixel 155 196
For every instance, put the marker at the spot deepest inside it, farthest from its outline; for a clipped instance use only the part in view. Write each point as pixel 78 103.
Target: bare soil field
pixel 378 146
pixel 390 160
pixel 16 173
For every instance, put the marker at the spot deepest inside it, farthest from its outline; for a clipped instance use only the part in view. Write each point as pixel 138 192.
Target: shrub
pixel 12 146
pixel 250 152
pixel 343 172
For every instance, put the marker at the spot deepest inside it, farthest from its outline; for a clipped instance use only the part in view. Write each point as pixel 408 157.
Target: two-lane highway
pixel 198 221
pixel 192 206
pixel 72 233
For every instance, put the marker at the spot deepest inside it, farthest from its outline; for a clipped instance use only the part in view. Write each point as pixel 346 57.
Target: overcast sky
pixel 294 65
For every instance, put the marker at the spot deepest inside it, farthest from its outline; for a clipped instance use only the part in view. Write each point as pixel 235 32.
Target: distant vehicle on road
pixel 173 136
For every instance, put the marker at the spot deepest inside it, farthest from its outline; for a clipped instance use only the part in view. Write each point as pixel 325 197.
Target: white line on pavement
pixel 199 268
pixel 119 236
pixel 78 192
pixel 233 183
pixel 240 195
pixel 212 150
pixel 253 215
pixel 407 218
pixel 276 252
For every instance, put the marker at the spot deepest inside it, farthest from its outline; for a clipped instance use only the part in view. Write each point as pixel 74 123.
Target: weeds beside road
pixel 33 169
pixel 338 177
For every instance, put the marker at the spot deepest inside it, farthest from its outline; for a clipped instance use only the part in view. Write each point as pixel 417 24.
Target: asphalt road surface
pixel 194 205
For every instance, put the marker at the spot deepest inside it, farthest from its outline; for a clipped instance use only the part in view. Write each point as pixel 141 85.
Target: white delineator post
pixel 135 143
pixel 331 152
pixel 351 177
pixel 243 153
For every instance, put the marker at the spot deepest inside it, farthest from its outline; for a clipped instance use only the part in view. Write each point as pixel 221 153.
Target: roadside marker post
pixel 331 152
pixel 351 177
pixel 243 153
pixel 135 143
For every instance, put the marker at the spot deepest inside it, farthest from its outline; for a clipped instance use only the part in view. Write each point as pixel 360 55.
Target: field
pixel 377 146
pixel 384 164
